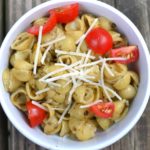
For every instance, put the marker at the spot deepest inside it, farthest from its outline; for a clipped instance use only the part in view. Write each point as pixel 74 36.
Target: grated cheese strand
pixel 102 81
pixel 64 113
pixel 109 70
pixel 42 91
pixel 39 105
pixel 91 104
pixel 113 92
pixel 57 108
pixel 54 84
pixel 59 70
pixel 53 41
pixel 37 50
pixel 60 77
pixel 73 53
pixel 99 61
pixel 67 83
pixel 87 56
pixel 45 54
pixel 84 35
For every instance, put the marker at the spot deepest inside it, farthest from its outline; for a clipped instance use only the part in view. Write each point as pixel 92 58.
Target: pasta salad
pixel 69 73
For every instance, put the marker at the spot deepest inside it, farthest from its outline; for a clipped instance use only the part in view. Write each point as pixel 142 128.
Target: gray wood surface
pixel 139 12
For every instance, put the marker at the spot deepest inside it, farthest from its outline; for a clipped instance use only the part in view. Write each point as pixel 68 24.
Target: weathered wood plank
pixel 136 10
pixel 1 21
pixel 3 119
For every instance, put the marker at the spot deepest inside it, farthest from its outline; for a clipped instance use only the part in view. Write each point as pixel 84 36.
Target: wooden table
pixel 139 12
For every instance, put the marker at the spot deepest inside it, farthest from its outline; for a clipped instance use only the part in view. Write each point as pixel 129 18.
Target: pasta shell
pixel 104 123
pixel 56 32
pixel 40 85
pixel 82 129
pixel 117 69
pixel 134 78
pixel 40 21
pixel 119 109
pixel 51 112
pixel 19 98
pixel 79 113
pixel 123 115
pixel 11 84
pixel 31 93
pixel 53 67
pixel 118 39
pixel 75 28
pixel 94 72
pixel 123 82
pixel 51 126
pixel 19 55
pixel 88 20
pixel 32 55
pixel 62 89
pixel 58 97
pixel 67 59
pixel 128 93
pixel 22 75
pixel 67 44
pixel 106 23
pixel 21 64
pixel 23 41
pixel 64 128
pixel 86 94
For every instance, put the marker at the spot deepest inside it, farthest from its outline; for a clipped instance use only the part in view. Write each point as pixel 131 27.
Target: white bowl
pixel 102 139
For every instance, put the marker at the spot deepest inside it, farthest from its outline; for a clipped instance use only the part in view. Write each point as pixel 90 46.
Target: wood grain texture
pixel 1 21
pixel 3 119
pixel 139 12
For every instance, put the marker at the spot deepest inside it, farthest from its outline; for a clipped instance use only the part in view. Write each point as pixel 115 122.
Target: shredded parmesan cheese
pixel 99 61
pixel 42 91
pixel 64 113
pixel 109 70
pixel 57 108
pixel 91 104
pixel 59 70
pixel 102 81
pixel 80 41
pixel 54 84
pixel 37 50
pixel 39 105
pixel 53 41
pixel 67 83
pixel 60 77
pixel 45 53
pixel 73 53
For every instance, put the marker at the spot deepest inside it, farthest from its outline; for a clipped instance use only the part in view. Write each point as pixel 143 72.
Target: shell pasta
pixel 71 79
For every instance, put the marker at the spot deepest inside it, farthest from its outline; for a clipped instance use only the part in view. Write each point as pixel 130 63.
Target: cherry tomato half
pixel 67 13
pixel 36 115
pixel 99 40
pixel 47 27
pixel 131 53
pixel 103 110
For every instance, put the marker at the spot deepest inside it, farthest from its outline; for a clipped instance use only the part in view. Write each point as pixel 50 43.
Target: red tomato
pixel 67 13
pixel 36 115
pixel 131 53
pixel 99 40
pixel 103 110
pixel 47 27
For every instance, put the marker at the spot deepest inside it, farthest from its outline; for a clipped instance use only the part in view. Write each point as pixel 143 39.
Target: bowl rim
pixel 146 98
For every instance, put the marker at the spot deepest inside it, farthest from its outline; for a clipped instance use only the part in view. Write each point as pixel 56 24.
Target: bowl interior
pixel 101 139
